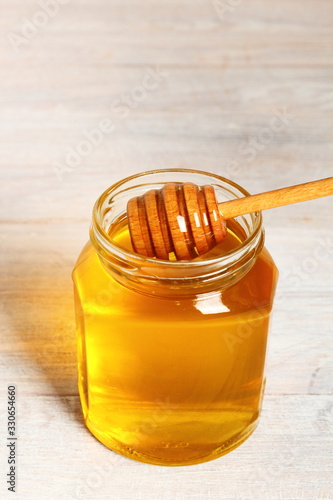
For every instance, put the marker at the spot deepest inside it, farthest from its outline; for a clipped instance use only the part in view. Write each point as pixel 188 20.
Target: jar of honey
pixel 171 354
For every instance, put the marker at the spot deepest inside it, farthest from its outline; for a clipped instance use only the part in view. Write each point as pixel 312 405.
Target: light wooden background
pixel 227 77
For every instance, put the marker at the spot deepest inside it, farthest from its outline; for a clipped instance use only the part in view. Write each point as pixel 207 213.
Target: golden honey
pixel 172 373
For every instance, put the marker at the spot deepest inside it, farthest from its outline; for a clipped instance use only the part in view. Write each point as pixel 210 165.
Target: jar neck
pixel 177 278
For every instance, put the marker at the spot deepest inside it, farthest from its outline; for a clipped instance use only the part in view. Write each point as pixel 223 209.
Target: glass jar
pixel 171 354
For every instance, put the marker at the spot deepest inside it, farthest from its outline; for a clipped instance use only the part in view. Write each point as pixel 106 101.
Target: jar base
pixel 128 452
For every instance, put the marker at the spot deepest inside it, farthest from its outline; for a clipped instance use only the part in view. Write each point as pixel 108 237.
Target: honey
pixel 172 373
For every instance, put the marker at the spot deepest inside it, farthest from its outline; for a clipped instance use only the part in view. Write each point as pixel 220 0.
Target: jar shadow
pixel 43 326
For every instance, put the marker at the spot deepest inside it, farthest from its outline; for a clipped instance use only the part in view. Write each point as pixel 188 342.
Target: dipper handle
pixel 276 198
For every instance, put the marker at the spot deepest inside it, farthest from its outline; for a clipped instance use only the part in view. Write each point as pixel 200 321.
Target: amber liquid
pixel 171 381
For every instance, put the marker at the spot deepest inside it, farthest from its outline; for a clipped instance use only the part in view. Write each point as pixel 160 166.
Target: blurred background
pixel 93 91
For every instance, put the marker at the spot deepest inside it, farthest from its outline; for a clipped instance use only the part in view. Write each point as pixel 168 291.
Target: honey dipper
pixel 187 220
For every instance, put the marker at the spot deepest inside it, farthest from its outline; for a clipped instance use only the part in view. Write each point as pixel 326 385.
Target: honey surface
pixel 171 381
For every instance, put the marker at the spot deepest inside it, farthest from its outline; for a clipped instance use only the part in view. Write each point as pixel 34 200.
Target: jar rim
pixel 107 243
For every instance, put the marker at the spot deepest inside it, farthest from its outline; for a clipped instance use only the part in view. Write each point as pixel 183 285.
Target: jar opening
pixel 110 211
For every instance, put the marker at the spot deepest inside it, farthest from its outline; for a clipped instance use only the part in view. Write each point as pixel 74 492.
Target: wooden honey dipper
pixel 187 220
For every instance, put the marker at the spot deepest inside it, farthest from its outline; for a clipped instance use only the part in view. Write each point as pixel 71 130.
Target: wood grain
pixel 227 80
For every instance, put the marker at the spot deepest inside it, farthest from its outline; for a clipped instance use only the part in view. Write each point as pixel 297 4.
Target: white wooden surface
pixel 227 77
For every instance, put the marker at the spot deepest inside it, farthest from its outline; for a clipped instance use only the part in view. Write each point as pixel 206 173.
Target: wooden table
pixel 243 89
